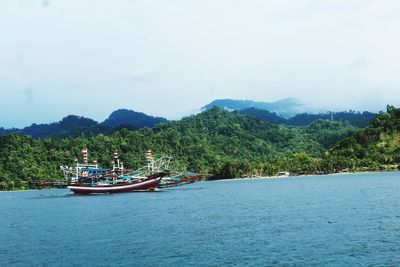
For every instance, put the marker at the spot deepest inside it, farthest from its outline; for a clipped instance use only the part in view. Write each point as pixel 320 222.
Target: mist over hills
pixel 287 107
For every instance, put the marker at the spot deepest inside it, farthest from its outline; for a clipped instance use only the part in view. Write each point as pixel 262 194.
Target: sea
pixel 334 220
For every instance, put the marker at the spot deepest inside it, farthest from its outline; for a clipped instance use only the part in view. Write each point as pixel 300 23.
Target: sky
pixel 169 58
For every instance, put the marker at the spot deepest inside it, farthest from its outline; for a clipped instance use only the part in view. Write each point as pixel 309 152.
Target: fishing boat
pixel 95 180
pixel 82 170
pixel 146 184
pixel 177 180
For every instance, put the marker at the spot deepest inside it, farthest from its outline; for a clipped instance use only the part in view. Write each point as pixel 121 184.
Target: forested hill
pixel 207 143
pixel 131 119
pixel 356 119
pixel 74 126
pixel 375 148
pixel 70 126
pixel 265 115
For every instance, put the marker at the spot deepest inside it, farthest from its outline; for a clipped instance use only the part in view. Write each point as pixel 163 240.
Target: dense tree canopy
pixel 356 119
pixel 375 148
pixel 132 119
pixel 218 142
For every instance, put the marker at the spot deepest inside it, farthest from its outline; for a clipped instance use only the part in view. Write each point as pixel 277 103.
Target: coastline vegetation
pixel 218 142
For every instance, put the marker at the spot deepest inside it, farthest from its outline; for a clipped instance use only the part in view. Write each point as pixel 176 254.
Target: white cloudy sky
pixel 168 58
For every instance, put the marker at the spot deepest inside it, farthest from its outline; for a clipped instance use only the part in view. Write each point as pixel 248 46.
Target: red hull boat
pixel 90 179
pixel 149 184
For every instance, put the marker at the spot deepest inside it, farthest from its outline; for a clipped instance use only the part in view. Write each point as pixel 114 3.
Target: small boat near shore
pixel 180 179
pixel 137 185
pixel 91 179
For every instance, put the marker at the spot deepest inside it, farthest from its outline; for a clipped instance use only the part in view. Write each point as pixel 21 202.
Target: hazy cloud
pixel 28 93
pixel 167 58
pixel 141 74
pixel 46 3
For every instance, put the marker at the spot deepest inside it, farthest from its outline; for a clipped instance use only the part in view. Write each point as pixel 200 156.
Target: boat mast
pixel 118 165
pixel 85 155
pixel 150 161
pixel 77 168
pixel 115 165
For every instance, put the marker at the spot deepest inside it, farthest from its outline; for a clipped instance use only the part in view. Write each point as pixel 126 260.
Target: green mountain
pixel 356 119
pixel 264 115
pixel 4 131
pixel 131 119
pixel 70 126
pixel 74 126
pixel 375 148
pixel 224 143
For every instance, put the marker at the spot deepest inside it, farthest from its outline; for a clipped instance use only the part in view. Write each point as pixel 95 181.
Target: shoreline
pixel 234 179
pixel 307 175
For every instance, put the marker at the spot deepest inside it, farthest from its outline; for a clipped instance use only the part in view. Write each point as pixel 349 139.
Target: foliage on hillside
pixel 209 142
pixel 264 115
pixel 70 126
pixel 4 131
pixel 375 148
pixel 131 119
pixel 356 119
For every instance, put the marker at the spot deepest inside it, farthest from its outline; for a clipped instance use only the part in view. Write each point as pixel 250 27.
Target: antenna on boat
pixel 85 154
pixel 149 155
pixel 119 166
pixel 116 160
pixel 77 167
pixel 150 160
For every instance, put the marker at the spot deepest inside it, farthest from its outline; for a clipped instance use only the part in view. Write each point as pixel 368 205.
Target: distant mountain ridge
pixel 74 126
pixel 70 126
pixel 285 111
pixel 356 119
pixel 287 107
pixel 125 117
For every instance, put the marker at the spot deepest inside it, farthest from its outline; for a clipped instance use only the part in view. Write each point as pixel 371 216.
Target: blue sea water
pixel 338 220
